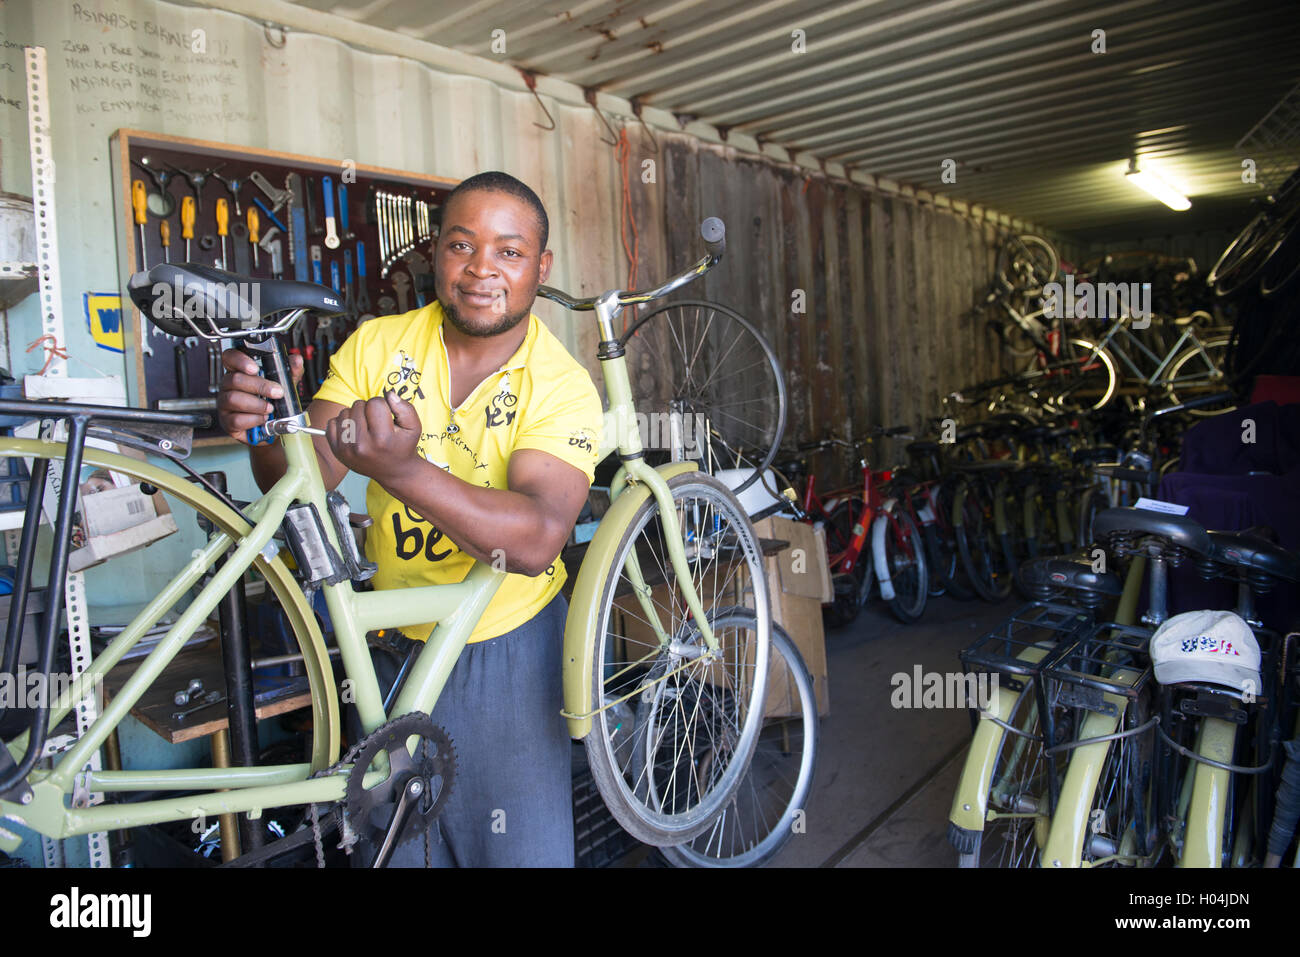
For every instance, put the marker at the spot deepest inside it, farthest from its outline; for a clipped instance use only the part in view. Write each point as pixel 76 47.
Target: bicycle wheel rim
pixel 719 367
pixel 625 763
pixel 1207 364
pixel 776 787
pixel 1017 786
pixel 908 569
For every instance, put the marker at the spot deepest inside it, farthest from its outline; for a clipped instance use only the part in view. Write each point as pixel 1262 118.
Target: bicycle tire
pixel 719 366
pixel 768 791
pixel 1121 820
pixel 1249 252
pixel 977 544
pixel 183 497
pixel 947 559
pixel 1029 259
pixel 1017 786
pixel 1204 380
pixel 1283 266
pixel 624 763
pixel 908 568
pixel 1088 390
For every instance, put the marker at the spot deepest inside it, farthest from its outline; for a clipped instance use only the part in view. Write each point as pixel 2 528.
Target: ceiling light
pixel 1157 187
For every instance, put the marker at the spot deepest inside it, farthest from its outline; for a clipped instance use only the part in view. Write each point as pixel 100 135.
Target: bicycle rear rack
pixel 1037 624
pixel 1094 665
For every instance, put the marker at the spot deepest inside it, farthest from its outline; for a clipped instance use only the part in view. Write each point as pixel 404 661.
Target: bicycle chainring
pixel 369 812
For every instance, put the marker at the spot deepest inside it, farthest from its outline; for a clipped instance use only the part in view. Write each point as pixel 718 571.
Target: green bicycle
pixel 674 543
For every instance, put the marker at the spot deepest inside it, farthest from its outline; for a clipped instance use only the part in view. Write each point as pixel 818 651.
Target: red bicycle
pixel 868 537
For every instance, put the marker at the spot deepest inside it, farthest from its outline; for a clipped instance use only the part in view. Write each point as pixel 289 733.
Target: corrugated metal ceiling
pixel 1038 124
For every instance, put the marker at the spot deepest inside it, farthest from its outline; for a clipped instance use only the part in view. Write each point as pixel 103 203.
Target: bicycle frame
pixel 456 607
pixel 1119 327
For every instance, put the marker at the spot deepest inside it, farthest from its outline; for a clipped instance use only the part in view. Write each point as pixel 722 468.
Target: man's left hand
pixel 377 438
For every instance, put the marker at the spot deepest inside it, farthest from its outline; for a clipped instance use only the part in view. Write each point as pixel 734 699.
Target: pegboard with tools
pixel 367 232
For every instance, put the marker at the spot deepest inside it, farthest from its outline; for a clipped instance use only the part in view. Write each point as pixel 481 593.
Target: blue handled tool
pixel 270 215
pixel 331 231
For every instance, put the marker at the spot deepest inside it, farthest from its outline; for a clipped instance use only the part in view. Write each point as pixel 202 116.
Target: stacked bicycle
pixel 1114 740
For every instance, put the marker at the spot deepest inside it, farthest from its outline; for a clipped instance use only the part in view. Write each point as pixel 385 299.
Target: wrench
pixel 277 196
pixel 207 698
pixel 331 232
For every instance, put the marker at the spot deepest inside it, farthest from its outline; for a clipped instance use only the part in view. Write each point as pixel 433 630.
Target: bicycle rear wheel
pixel 981 552
pixel 764 812
pixel 710 364
pixel 909 571
pixel 1199 370
pixel 673 732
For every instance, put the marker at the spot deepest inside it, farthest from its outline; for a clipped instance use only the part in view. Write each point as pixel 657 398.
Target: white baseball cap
pixel 1216 647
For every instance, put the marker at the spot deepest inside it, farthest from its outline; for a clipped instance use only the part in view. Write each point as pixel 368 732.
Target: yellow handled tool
pixel 165 228
pixel 254 221
pixel 139 203
pixel 187 223
pixel 223 220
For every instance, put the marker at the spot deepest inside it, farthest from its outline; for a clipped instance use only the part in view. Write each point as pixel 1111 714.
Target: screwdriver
pixel 138 203
pixel 165 228
pixel 187 223
pixel 223 220
pixel 253 223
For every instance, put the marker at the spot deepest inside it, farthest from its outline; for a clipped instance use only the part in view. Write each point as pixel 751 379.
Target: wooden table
pixel 155 707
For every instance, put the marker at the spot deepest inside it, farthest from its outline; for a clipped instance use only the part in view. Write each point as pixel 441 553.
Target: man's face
pixel 489 262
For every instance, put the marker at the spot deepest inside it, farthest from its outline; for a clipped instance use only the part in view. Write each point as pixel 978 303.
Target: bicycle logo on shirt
pixel 500 410
pixel 406 378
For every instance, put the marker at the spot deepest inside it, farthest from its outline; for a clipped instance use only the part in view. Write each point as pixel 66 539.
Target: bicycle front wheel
pixel 711 365
pixel 675 725
pixel 767 808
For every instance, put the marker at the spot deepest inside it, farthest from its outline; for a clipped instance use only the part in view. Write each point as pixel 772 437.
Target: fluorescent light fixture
pixel 1157 187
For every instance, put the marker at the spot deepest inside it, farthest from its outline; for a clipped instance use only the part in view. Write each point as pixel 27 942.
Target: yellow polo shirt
pixel 542 398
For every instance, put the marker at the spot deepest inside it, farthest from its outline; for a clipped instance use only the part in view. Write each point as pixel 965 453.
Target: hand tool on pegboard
pixel 139 207
pixel 297 227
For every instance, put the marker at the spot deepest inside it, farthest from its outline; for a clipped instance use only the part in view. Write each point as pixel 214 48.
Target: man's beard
pixel 504 324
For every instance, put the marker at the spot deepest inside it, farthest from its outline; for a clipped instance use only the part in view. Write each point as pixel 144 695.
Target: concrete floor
pixel 885 775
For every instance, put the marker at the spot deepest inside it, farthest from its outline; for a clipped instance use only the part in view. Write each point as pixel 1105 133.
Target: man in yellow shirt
pixel 480 434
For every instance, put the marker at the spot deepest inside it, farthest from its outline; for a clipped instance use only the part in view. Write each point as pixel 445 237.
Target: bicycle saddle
pixel 1041 576
pixel 1252 550
pixel 1178 530
pixel 170 292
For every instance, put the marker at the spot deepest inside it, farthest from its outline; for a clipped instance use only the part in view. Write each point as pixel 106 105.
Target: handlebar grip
pixel 714 233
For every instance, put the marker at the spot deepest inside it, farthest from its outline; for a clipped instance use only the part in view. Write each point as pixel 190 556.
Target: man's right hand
pixel 243 397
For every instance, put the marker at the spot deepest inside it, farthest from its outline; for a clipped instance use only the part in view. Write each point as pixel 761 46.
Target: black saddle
pixel 1040 577
pixel 169 293
pixel 1253 550
pixel 1178 530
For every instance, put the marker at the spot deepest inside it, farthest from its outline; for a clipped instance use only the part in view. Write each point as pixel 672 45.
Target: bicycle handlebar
pixel 714 233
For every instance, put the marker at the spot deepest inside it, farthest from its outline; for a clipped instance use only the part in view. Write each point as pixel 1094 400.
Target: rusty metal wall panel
pixel 887 284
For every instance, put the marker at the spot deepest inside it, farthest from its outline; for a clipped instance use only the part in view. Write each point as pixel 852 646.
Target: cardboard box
pixel 798 580
pixel 802 568
pixel 112 516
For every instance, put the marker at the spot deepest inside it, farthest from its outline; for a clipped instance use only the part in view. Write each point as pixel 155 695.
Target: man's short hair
pixel 497 182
